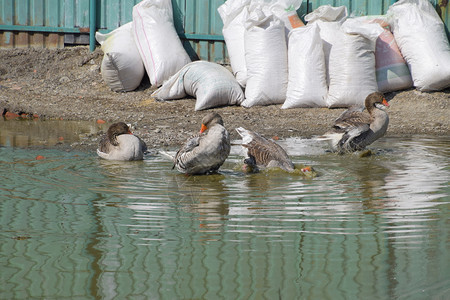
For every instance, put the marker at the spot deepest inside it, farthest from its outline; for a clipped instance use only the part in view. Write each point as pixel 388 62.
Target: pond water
pixel 75 226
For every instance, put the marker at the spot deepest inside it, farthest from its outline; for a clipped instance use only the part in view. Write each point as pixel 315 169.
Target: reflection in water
pixel 48 133
pixel 415 194
pixel 75 226
pixel 203 196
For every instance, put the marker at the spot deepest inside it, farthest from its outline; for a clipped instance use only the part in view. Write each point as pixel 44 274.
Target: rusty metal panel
pixel 17 39
pixel 41 23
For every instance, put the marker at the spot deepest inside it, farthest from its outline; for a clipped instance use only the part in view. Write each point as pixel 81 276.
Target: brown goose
pixel 263 152
pixel 120 144
pixel 356 129
pixel 207 151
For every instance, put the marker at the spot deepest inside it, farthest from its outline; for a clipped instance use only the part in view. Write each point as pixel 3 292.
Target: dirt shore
pixel 66 83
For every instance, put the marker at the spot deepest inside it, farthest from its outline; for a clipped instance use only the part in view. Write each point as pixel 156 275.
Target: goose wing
pixel 263 150
pixel 190 145
pixel 144 147
pixel 104 145
pixel 205 153
pixel 350 120
pixel 129 147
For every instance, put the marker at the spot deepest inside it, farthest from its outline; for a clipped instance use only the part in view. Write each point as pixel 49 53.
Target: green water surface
pixel 77 227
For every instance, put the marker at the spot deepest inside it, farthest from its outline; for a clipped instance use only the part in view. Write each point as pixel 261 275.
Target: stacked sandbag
pixel 352 67
pixel 307 82
pixel 211 84
pixel 122 68
pixel 421 37
pixel 286 11
pixel 328 13
pixel 391 69
pixel 349 48
pixel 266 60
pixel 235 13
pixel 157 40
pixel 329 20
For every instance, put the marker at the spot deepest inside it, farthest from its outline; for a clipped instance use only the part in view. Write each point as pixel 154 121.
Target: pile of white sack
pixel 332 61
pixel 150 41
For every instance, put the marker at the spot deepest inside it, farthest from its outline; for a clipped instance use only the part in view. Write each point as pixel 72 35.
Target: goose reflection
pixel 203 195
pixel 370 175
pixel 120 173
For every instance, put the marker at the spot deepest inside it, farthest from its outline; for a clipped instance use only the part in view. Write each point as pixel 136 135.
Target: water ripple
pixel 376 218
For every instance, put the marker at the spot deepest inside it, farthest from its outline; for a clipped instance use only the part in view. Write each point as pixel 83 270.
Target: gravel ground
pixel 67 84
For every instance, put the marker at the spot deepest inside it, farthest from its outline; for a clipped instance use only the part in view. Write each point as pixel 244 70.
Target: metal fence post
pixel 92 23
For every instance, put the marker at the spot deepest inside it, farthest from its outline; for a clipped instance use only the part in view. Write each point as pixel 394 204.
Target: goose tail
pixel 167 155
pixel 245 134
pixel 333 138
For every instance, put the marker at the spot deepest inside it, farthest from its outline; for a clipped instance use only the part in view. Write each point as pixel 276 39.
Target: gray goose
pixel 263 152
pixel 356 129
pixel 120 144
pixel 207 151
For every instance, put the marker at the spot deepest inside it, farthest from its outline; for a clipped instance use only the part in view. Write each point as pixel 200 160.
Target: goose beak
pixel 203 128
pixel 306 169
pixel 385 102
pixel 129 130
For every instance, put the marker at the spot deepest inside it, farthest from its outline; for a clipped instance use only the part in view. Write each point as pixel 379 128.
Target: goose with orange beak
pixel 120 144
pixel 206 152
pixel 355 129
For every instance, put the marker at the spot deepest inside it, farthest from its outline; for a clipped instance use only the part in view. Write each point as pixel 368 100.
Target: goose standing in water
pixel 120 144
pixel 354 130
pixel 263 152
pixel 207 151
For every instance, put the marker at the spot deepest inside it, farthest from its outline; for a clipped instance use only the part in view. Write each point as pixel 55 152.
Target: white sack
pixel 349 55
pixel 307 85
pixel 329 19
pixel 328 13
pixel 212 84
pixel 352 64
pixel 157 40
pixel 122 68
pixel 233 14
pixel 286 11
pixel 421 37
pixel 391 69
pixel 266 60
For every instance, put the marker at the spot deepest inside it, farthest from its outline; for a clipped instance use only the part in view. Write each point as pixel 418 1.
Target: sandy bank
pixel 67 83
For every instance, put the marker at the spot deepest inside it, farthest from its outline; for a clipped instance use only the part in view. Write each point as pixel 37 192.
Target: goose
pixel 263 152
pixel 205 152
pixel 120 144
pixel 355 129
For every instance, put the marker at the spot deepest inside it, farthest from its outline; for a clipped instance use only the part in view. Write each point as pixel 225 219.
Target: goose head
pixel 250 165
pixel 308 172
pixel 375 100
pixel 115 130
pixel 210 120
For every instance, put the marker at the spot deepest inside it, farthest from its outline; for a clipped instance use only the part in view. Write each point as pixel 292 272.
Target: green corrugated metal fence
pixel 54 23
